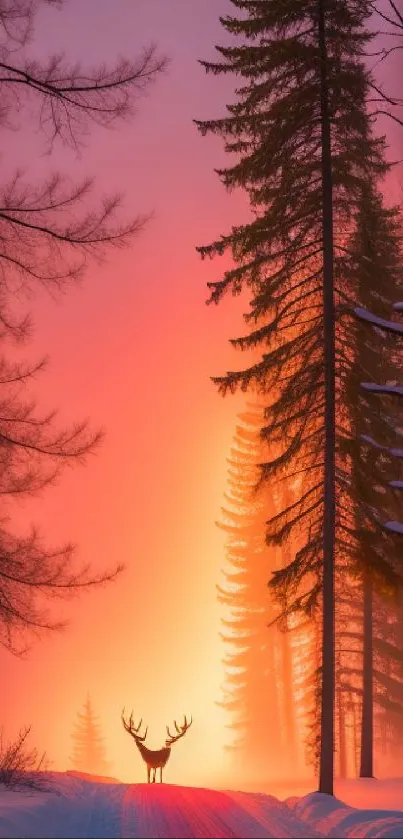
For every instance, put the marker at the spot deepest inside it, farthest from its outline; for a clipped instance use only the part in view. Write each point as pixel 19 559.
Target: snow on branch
pixel 394 526
pixel 374 388
pixel 393 452
pixel 381 323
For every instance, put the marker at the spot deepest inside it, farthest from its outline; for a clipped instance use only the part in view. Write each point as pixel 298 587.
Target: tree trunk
pixel 367 721
pixel 287 663
pixel 356 716
pixel 328 653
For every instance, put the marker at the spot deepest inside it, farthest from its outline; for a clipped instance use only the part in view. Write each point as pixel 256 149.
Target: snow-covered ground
pixel 80 808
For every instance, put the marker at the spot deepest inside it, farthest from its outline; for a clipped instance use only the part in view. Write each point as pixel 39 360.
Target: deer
pixel 154 758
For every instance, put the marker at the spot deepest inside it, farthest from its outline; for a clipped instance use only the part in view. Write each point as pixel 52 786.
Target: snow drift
pixel 81 809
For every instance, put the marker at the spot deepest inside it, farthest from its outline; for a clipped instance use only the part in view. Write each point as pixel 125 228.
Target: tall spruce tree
pixel 305 149
pixel 88 745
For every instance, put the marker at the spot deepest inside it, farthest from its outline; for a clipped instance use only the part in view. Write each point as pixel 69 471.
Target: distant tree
pixel 271 663
pixel 48 232
pixel 88 745
pixel 253 694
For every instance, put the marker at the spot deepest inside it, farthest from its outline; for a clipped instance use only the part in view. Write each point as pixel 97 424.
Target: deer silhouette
pixel 154 759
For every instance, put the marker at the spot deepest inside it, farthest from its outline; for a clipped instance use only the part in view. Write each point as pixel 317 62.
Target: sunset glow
pixel 133 348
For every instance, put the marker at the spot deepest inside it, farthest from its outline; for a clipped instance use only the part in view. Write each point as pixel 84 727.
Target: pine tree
pixel 88 746
pixel 305 149
pixel 258 690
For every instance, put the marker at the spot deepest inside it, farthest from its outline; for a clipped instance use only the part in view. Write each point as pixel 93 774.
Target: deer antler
pixel 132 729
pixel 181 730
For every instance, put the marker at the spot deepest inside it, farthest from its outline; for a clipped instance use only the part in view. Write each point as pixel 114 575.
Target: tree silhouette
pixel 48 233
pixel 305 149
pixel 88 745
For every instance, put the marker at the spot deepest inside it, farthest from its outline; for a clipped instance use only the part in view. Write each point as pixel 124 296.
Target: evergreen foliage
pixel 258 684
pixel 307 155
pixel 88 745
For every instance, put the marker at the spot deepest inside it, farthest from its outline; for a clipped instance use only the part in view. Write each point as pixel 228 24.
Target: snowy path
pixel 182 812
pixel 81 809
pixel 86 810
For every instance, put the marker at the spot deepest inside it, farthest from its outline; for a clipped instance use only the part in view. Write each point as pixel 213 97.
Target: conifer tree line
pixel 322 242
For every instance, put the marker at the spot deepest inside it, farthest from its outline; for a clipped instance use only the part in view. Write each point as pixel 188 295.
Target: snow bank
pixel 72 808
pixel 274 815
pixel 334 819
pixel 85 809
pixel 77 808
pixel 381 793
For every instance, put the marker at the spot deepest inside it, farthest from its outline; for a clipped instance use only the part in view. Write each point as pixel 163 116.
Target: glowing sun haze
pixel 133 349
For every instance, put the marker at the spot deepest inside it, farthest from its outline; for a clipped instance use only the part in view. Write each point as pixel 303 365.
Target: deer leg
pixel 160 774
pixel 154 773
pixel 148 774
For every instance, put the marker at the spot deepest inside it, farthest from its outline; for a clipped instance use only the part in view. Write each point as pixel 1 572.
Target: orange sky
pixel 133 349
